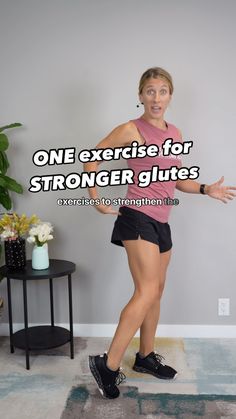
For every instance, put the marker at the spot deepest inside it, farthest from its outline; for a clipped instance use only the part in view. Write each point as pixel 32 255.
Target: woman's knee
pixel 141 301
pixel 149 294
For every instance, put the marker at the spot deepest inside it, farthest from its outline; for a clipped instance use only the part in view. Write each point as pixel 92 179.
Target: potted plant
pixel 6 183
pixel 13 228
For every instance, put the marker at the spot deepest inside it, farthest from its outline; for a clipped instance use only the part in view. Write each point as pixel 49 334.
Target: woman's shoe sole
pixel 144 370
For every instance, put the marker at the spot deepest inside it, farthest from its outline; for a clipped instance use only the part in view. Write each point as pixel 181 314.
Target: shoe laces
pixel 120 377
pixel 159 358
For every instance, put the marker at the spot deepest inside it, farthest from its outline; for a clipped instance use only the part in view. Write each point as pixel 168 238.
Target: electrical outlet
pixel 223 307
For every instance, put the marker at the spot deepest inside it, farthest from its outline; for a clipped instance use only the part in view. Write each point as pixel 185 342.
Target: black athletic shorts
pixel 133 224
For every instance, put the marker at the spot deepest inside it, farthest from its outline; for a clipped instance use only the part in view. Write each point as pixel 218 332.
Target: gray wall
pixel 69 73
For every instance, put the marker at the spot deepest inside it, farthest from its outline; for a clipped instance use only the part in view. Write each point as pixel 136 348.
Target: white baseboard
pixel 163 330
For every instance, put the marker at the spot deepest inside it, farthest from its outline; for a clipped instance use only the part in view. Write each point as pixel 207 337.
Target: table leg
pixel 10 312
pixel 26 323
pixel 71 318
pixel 51 301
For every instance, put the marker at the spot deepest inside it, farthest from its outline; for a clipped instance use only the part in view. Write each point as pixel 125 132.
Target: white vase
pixel 40 259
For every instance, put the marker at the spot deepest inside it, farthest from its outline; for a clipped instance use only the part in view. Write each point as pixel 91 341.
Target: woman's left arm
pixel 215 190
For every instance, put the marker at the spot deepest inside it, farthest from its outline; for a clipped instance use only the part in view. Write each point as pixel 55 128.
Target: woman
pixel 145 234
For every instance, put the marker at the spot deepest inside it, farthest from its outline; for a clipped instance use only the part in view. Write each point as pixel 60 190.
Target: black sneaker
pixel 152 364
pixel 107 380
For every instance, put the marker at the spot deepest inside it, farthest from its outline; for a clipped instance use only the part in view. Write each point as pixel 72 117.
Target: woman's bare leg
pixel 149 325
pixel 144 264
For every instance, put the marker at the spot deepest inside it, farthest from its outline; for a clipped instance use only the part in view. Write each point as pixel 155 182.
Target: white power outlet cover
pixel 223 306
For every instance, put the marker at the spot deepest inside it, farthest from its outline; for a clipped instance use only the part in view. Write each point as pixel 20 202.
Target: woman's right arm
pixel 121 136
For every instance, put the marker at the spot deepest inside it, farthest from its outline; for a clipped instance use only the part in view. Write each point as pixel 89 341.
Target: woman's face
pixel 155 97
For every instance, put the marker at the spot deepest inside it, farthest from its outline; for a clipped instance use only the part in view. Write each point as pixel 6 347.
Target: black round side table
pixel 40 337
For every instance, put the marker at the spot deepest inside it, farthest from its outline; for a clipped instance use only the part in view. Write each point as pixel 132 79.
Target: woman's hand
pixel 218 191
pixel 106 209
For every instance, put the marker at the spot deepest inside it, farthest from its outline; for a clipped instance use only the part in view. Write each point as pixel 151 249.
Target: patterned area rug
pixel 85 402
pixel 57 387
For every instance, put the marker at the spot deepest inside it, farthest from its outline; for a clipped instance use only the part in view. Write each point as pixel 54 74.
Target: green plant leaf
pixel 4 163
pixel 6 182
pixel 5 199
pixel 16 124
pixel 4 144
pixel 2 182
pixel 11 184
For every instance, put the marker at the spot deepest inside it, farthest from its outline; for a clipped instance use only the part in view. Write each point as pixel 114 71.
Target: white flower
pixel 7 233
pixel 33 231
pixel 41 233
pixel 31 239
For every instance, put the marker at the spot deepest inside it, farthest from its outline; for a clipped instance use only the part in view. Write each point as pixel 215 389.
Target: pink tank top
pixel 157 189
